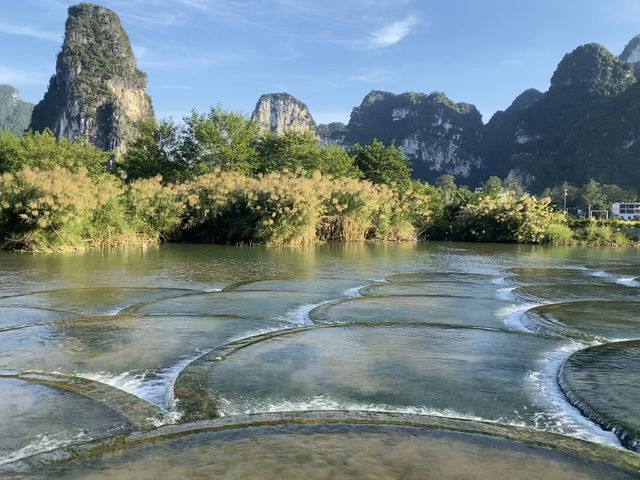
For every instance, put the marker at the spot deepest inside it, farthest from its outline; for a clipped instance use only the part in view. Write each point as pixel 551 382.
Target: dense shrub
pixel 44 151
pixel 60 210
pixel 505 218
pixel 292 209
pixel 559 234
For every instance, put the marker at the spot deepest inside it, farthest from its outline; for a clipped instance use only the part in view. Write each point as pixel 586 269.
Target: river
pixel 376 360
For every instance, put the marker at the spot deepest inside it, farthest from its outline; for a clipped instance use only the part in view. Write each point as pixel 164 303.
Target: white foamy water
pixel 612 277
pixel 155 387
pixel 628 281
pixel 326 403
pixel 563 417
pixel 506 294
pixel 512 315
pixel 300 315
pixel 46 443
pixel 500 281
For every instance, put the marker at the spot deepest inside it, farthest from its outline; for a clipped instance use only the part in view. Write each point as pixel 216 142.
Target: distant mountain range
pixel 585 126
pixel 15 114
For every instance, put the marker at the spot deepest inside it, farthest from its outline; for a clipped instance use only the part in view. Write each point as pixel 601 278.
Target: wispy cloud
pixel 175 57
pixel 19 77
pixel 28 31
pixel 374 75
pixel 393 33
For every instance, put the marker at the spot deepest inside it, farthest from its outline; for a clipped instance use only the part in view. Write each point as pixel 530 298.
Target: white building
pixel 626 211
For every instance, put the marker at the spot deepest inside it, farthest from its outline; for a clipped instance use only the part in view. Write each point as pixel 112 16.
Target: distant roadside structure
pixel 626 211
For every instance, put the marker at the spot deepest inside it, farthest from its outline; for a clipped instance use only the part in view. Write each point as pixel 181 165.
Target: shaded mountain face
pixel 14 113
pixel 281 112
pixel 332 133
pixel 436 134
pixel 631 54
pixel 583 127
pixel 97 92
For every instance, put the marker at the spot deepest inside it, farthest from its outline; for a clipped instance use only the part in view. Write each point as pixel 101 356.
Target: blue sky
pixel 328 53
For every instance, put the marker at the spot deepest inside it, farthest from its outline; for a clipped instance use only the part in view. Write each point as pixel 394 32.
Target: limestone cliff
pixel 97 91
pixel 436 134
pixel 14 113
pixel 281 112
pixel 584 127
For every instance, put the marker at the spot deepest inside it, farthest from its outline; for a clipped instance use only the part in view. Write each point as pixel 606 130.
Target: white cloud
pixel 393 33
pixel 27 31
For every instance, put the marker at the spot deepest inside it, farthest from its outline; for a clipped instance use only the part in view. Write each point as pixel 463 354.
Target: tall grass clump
pixel 60 210
pixel 290 208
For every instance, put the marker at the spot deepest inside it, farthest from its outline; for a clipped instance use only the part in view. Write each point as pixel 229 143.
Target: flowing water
pixel 109 351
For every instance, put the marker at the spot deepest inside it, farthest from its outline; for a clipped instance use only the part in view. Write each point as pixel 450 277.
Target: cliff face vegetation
pixel 97 92
pixel 438 136
pixel 14 113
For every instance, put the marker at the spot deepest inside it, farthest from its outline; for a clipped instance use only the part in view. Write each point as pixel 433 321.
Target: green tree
pixel 226 140
pixel 615 193
pixel 381 164
pixel 594 195
pixel 156 151
pixel 44 151
pixel 302 150
pixel 492 186
pixel 513 185
pixel 556 193
pixel 291 150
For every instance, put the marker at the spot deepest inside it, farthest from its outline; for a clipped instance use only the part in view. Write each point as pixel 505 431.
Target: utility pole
pixel 589 212
pixel 565 201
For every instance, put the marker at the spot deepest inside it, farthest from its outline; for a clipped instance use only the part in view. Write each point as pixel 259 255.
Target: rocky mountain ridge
pixel 587 125
pixel 282 112
pixel 97 92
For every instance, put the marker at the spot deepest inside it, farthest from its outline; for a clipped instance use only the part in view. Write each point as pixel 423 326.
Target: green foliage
pixel 506 218
pixel 559 234
pixel 380 164
pixel 156 151
pixel 42 150
pixel 599 196
pixel 219 139
pixel 14 113
pixel 288 209
pixel 61 210
pixel 295 150
pixel 492 186
pixel 595 234
pixel 593 195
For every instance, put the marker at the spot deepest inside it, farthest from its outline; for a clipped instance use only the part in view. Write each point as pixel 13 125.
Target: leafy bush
pixel 559 234
pixel 505 218
pixel 44 151
pixel 382 164
pixel 295 150
pixel 595 234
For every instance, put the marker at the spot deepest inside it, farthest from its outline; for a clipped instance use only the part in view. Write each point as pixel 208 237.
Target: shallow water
pixel 337 451
pixel 603 382
pixel 197 332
